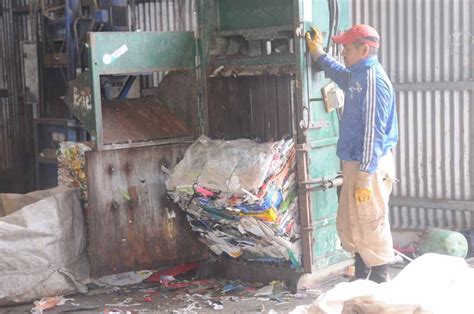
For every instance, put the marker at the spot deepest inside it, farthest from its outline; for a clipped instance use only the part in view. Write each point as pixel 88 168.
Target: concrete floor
pixel 149 297
pixel 131 299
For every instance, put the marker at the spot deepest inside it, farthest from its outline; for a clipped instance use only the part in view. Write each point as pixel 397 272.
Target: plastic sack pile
pixel 42 245
pixel 240 196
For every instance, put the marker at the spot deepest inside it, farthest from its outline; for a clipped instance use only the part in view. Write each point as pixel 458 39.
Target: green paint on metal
pixel 241 14
pixel 208 24
pixel 327 240
pixel 321 135
pixel 132 53
pixel 323 162
pixel 253 19
pixel 323 204
pixel 141 52
pixel 79 101
pixel 337 256
pixel 323 142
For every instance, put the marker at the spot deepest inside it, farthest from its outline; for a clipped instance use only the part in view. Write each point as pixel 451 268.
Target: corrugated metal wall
pixel 16 26
pixel 15 132
pixel 163 15
pixel 427 52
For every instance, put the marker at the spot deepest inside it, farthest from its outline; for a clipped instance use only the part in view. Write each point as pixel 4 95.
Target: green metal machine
pixel 257 48
pixel 253 78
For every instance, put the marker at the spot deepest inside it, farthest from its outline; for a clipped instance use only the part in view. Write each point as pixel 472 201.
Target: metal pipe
pixel 322 184
pixel 126 88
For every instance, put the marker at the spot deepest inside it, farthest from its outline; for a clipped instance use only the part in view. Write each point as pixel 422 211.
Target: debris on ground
pixel 126 279
pixel 48 303
pixel 169 273
pixel 187 294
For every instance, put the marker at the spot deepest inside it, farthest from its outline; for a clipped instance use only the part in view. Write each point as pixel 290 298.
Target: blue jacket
pixel 369 126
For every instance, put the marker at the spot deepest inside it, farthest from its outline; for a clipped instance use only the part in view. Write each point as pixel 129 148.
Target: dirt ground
pixel 153 297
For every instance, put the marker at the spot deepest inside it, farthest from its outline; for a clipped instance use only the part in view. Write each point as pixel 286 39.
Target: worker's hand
pixel 363 187
pixel 313 42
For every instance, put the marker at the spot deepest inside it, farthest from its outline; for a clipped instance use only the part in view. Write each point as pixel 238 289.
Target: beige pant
pixel 365 228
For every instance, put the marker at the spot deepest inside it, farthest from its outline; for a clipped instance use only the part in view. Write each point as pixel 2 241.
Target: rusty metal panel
pixel 183 103
pixel 132 225
pixel 140 119
pixel 250 106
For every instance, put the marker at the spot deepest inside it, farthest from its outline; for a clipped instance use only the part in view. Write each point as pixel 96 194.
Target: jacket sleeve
pixel 335 71
pixel 376 100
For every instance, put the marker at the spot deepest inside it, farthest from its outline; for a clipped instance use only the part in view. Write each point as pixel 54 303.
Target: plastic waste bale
pixel 230 166
pixel 240 197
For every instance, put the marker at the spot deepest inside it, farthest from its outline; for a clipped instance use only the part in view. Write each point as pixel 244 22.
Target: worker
pixel 368 133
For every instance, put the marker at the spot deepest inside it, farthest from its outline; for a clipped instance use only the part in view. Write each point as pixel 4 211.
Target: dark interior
pixel 258 107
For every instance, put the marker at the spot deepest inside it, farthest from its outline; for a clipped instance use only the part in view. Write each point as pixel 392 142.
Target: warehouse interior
pixel 135 117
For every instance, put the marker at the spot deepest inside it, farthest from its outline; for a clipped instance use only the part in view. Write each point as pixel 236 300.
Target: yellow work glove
pixel 363 187
pixel 313 42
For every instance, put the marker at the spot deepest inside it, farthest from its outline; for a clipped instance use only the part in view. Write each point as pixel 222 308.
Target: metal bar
pixel 280 59
pixel 431 203
pixel 175 140
pixel 301 97
pixel 431 86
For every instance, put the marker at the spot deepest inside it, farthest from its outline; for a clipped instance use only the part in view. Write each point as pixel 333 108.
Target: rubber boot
pixel 379 274
pixel 361 270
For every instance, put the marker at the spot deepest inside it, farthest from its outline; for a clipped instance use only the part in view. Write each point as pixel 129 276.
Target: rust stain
pixel 135 232
pixel 142 119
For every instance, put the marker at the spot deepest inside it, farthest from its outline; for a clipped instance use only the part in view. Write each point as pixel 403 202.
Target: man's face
pixel 354 53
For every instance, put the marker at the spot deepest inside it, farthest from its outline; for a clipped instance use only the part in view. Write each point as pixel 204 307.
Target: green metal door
pixel 318 133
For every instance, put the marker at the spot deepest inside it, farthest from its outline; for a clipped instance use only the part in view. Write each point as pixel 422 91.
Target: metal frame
pixel 134 53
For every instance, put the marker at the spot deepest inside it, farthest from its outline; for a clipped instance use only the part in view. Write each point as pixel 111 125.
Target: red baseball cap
pixel 359 33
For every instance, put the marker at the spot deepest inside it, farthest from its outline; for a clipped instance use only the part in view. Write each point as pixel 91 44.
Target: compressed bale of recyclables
pixel 240 198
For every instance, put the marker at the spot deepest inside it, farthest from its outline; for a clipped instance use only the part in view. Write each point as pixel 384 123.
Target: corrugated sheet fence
pixel 14 133
pixel 427 51
pixel 16 26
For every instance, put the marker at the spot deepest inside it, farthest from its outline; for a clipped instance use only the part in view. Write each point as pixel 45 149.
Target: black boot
pixel 379 274
pixel 361 270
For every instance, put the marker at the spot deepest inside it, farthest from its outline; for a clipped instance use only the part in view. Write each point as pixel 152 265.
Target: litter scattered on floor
pixel 125 303
pixel 240 197
pixel 126 279
pixel 48 303
pixel 169 273
pixel 267 290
